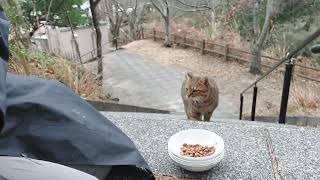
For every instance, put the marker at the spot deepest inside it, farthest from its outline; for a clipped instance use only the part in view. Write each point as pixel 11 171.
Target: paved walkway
pixel 141 82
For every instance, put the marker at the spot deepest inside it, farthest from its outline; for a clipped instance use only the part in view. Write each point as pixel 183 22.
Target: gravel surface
pixel 248 154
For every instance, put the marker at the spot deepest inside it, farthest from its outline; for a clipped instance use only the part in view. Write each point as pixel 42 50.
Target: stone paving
pixel 250 147
pixel 141 82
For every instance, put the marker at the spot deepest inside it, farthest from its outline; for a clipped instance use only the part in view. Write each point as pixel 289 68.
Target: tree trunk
pixel 256 20
pixel 213 22
pixel 115 32
pixel 167 41
pixel 132 30
pixel 99 53
pixel 95 21
pixel 48 13
pixel 74 40
pixel 114 38
pixel 255 67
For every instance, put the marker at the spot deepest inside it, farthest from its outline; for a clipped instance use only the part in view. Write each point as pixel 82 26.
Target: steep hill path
pixel 137 80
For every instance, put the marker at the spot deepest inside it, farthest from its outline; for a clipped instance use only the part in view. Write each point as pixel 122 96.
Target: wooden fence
pixel 231 53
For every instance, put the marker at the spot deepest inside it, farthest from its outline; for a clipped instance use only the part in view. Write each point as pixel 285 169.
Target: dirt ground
pixel 234 78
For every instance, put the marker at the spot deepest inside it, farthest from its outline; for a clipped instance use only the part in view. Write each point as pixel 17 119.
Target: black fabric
pixel 46 120
pixel 43 119
pixel 4 34
pixel 129 173
pixel 2 178
pixel 4 55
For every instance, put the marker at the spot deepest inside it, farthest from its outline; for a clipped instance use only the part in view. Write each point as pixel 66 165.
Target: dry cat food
pixel 196 150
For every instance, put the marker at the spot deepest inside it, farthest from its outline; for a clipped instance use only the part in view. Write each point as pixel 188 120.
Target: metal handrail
pixel 286 83
pixel 284 59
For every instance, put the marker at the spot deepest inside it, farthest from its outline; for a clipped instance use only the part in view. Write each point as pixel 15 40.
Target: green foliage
pixel 289 11
pixel 244 19
pixel 19 26
pixel 39 9
pixel 43 59
pixel 244 24
pixel 286 12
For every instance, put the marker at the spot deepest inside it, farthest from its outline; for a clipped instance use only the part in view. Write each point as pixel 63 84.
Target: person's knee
pixel 19 168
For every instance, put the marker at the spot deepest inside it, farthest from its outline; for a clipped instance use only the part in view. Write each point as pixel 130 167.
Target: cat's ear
pixel 189 76
pixel 206 81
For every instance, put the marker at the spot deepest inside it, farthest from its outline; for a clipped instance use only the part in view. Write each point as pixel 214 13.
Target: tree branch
pixel 267 22
pixel 167 8
pixel 158 9
pixel 48 13
pixel 189 10
pixel 193 6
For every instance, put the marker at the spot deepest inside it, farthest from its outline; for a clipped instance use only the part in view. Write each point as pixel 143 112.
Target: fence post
pixel 226 52
pixel 241 106
pixel 142 32
pixel 254 102
pixel 154 34
pixel 184 41
pixel 116 41
pixel 203 46
pixel 285 91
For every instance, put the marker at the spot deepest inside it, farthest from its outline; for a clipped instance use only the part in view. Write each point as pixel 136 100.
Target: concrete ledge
pixel 296 120
pixel 115 107
pixel 254 150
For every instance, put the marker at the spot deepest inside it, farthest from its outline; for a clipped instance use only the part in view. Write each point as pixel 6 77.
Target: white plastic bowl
pixel 196 136
pixel 191 166
pixel 196 163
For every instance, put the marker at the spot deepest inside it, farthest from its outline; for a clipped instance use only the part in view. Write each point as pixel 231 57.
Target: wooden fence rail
pixel 303 71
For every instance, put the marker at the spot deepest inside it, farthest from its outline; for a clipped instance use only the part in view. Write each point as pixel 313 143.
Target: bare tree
pixel 163 7
pixel 74 40
pixel 124 13
pixel 168 10
pixel 215 5
pixel 259 37
pixel 114 12
pixel 95 21
pixel 135 13
pixel 49 9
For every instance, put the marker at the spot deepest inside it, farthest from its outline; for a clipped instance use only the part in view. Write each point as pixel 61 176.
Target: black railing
pixel 286 83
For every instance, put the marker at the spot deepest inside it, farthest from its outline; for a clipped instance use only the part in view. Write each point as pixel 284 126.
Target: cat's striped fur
pixel 200 96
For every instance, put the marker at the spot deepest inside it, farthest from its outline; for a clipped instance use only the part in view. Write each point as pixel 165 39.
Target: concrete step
pixel 264 121
pixel 296 120
pixel 181 118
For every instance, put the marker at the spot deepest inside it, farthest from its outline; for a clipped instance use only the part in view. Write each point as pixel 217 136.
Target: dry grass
pixel 232 78
pixel 72 75
pixel 306 99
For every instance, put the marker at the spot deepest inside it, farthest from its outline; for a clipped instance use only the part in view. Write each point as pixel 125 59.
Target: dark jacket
pixel 4 55
pixel 45 120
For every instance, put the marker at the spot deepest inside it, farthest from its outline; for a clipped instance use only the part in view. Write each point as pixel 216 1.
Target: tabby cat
pixel 200 97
